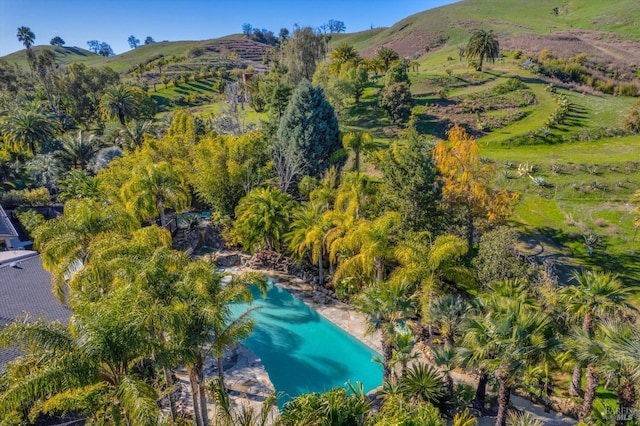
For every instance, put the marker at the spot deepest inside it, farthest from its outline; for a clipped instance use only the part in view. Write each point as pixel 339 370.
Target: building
pixel 25 287
pixel 8 232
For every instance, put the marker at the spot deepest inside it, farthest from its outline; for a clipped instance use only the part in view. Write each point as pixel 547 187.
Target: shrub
pixel 396 101
pixel 194 52
pixel 626 89
pixel 631 121
pixel 30 220
pixel 517 54
pixel 510 85
pixel 34 198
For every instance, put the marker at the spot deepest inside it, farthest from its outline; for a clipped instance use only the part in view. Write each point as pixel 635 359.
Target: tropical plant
pixel 447 313
pixel 483 45
pixel 357 142
pixel 246 415
pixel 337 406
pixel 431 266
pixel 308 228
pixel 387 56
pixel 89 367
pixel 154 187
pixel 522 419
pixel 210 328
pixel 368 246
pixel 63 242
pixel 505 339
pixel 26 36
pixel 423 383
pixel 342 55
pixel 396 411
pixel 262 219
pixel 77 152
pixel 119 102
pixel 26 127
pixel 596 296
pixel 386 306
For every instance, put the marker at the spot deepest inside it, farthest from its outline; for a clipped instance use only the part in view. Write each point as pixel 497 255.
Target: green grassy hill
pixel 453 23
pixel 209 53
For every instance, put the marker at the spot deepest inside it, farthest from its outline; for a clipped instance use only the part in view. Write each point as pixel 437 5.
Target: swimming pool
pixel 304 352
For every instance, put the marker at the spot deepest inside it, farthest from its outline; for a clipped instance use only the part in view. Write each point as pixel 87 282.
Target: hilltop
pixel 605 31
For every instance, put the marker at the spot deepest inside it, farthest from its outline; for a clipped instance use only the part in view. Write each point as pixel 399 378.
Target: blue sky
pixel 113 21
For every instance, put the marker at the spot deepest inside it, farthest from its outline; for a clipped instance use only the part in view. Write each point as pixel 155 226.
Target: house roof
pixel 6 227
pixel 25 287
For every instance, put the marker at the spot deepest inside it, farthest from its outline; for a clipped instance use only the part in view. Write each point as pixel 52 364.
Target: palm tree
pixel 78 151
pixel 154 187
pixel 369 245
pixel 447 313
pixel 621 349
pixel 64 242
pixel 118 102
pixel 342 54
pixel 27 127
pixel 26 36
pixel 308 227
pixel 587 350
pixel 262 219
pixel 598 295
pixel 505 339
pixel 357 142
pixel 403 353
pixel 132 135
pixel 209 329
pixel 428 265
pixel 445 358
pixel 386 305
pixel 483 45
pixel 387 56
pixel 88 367
pixel 353 193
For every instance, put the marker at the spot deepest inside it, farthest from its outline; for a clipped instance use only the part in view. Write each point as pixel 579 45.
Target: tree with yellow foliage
pixel 466 183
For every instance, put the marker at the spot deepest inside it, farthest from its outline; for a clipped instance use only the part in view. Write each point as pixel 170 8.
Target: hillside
pixel 211 53
pixel 604 31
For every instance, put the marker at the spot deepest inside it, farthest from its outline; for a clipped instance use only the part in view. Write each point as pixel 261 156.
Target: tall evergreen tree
pixel 410 181
pixel 307 136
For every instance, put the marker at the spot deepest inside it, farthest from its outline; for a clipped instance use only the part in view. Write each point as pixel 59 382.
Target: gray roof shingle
pixel 26 288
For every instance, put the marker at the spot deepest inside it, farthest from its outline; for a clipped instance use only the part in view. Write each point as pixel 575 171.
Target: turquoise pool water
pixel 302 351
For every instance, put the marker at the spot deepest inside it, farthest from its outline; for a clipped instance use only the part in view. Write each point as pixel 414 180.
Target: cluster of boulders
pixel 267 259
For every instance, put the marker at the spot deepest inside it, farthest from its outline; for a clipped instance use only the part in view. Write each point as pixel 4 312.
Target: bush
pixel 510 85
pixel 626 89
pixel 517 54
pixel 33 198
pixel 194 52
pixel 396 101
pixel 631 121
pixel 30 220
